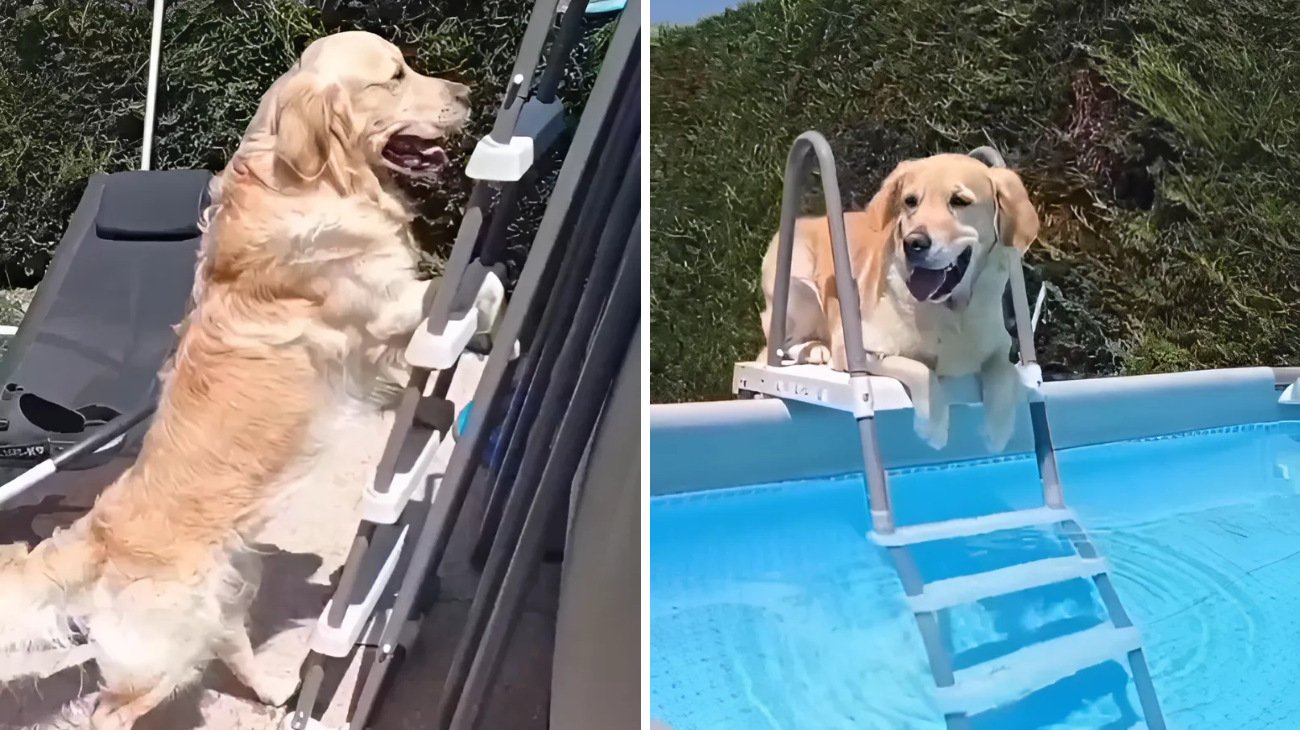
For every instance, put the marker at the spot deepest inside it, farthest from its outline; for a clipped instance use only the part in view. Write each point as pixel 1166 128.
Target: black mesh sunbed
pixel 90 346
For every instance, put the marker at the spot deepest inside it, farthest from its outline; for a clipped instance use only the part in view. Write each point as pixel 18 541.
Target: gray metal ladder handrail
pixel 859 363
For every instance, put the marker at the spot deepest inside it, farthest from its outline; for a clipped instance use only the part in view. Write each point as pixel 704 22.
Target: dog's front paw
pixel 934 431
pixel 111 717
pixel 997 430
pixel 1002 394
pixel 934 411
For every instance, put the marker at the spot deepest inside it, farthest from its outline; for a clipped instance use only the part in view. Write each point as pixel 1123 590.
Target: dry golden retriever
pixel 931 256
pixel 306 295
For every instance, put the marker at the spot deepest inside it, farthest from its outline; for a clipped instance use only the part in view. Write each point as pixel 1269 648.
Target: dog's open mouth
pixel 932 285
pixel 413 154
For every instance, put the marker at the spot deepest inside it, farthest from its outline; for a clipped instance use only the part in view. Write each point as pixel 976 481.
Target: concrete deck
pixel 302 556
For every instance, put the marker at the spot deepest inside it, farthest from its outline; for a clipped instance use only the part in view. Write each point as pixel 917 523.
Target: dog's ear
pixel 314 135
pixel 886 204
pixel 1018 221
pixel 870 269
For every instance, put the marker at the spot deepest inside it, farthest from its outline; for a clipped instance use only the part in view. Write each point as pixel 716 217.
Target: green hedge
pixel 73 76
pixel 1160 139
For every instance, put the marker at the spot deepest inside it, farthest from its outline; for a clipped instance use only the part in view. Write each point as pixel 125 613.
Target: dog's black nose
pixel 916 243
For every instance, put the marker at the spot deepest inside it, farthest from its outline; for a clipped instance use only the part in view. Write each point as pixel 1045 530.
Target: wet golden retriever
pixel 931 256
pixel 305 297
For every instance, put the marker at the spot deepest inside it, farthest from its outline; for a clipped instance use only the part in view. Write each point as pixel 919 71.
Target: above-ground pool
pixel 771 609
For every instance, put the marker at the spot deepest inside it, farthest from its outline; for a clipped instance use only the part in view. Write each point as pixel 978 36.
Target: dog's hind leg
pixel 152 638
pixel 120 709
pixel 142 664
pixel 806 338
pixel 237 654
pixel 234 648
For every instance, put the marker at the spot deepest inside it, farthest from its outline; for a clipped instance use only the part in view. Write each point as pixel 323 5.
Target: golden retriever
pixel 931 256
pixel 305 297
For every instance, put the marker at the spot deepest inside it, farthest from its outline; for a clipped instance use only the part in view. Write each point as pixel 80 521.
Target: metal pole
pixel 608 347
pixel 1053 493
pixel 577 261
pixel 1038 307
pixel 790 201
pixel 1048 472
pixel 561 47
pixel 556 406
pixel 813 143
pixel 988 156
pixel 521 79
pixel 1024 318
pixel 151 95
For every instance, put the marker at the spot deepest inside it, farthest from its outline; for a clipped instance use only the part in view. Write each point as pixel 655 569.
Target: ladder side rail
pixel 433 535
pixel 521 78
pixel 535 373
pixel 815 145
pixel 571 18
pixel 1048 471
pixel 461 707
pixel 503 127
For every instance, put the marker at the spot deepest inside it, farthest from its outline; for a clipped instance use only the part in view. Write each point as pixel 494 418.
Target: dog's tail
pixel 39 588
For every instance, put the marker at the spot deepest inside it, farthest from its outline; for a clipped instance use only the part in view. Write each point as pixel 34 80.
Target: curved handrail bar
pixel 856 356
pixel 988 155
pixel 813 143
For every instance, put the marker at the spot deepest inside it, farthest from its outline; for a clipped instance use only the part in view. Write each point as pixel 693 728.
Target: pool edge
pixel 719 444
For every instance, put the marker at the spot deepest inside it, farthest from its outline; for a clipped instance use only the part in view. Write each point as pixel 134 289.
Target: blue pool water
pixel 770 609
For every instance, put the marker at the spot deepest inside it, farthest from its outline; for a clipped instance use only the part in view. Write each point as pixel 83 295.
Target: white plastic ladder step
pixel 970 588
pixel 413 464
pixel 1017 675
pixel 338 641
pixel 971 526
pixel 424 452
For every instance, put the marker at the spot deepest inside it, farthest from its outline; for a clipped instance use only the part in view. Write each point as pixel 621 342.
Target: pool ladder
pixel 1006 679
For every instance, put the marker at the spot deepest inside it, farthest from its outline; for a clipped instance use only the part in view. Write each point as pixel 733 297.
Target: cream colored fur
pixel 304 298
pixel 918 341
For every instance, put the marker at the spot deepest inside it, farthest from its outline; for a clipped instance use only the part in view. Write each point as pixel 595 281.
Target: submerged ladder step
pixel 1017 675
pixel 951 592
pixel 971 526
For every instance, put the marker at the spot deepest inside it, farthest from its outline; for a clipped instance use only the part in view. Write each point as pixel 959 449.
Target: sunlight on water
pixel 770 610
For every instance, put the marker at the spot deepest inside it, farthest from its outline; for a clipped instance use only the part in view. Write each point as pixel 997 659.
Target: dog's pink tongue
pixel 923 283
pixel 435 156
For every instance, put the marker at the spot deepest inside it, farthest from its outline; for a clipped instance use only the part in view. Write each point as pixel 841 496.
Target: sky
pixel 685 11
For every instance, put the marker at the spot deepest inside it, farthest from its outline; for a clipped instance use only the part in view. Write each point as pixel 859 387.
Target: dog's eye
pixel 958 201
pixel 401 73
pixel 910 201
